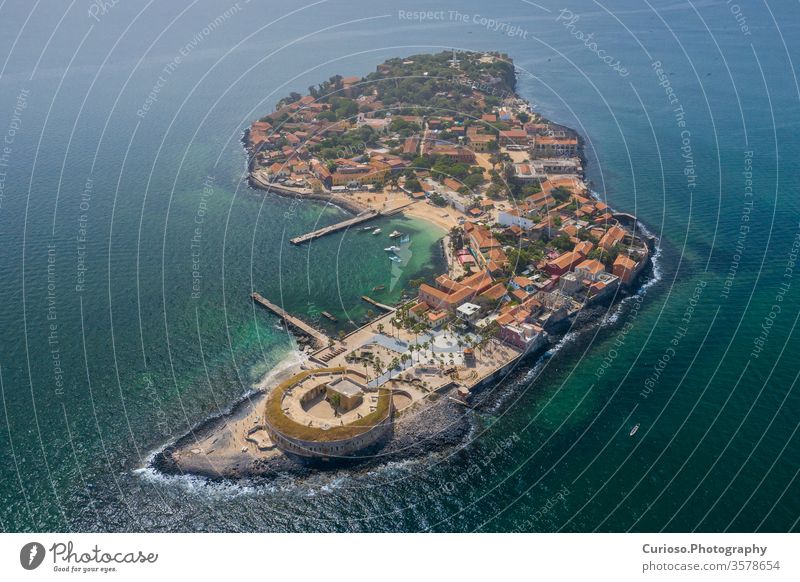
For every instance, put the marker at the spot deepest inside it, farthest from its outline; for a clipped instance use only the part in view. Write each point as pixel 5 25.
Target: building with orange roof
pixel 480 142
pixel 494 268
pixel 419 310
pixel 480 238
pixel 258 132
pixel 590 269
pixel 524 283
pixel 563 263
pixel 452 184
pixel 612 236
pixel 571 183
pixel 518 137
pixel 519 294
pixel 570 230
pixel 605 285
pixel 584 247
pixel 454 293
pixel 278 170
pixel 410 145
pixel 624 268
pixel 494 293
pixel 552 146
pixel 454 153
pixel 437 318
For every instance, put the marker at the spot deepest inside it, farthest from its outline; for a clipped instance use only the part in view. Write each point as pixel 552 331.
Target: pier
pixel 381 306
pixel 361 218
pixel 320 339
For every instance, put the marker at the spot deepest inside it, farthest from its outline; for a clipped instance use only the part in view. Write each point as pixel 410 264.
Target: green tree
pixel 335 401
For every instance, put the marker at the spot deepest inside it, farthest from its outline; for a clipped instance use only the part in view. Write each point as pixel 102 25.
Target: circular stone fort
pixel 330 413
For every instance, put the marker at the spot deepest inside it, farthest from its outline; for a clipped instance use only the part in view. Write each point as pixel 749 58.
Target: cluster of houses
pixel 594 255
pixel 284 146
pixel 523 302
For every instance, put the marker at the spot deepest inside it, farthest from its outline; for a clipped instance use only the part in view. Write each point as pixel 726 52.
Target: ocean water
pixel 130 244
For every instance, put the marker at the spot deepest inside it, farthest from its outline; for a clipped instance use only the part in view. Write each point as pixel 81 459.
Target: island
pixel 444 138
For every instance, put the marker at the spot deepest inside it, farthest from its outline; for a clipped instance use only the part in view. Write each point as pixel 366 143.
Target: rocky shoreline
pixel 436 427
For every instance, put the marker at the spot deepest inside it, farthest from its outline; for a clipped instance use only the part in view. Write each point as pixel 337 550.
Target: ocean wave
pixel 291 360
pixel 198 485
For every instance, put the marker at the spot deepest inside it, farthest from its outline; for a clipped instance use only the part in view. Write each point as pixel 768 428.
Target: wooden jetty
pixel 319 338
pixel 397 209
pixel 380 306
pixel 363 217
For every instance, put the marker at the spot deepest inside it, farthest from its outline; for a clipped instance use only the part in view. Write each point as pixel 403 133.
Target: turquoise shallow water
pixel 134 359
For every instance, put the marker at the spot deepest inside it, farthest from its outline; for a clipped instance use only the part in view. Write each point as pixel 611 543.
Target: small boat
pixel 395 258
pixel 392 249
pixel 376 231
pixel 365 228
pixel 329 316
pixel 395 234
pixel 634 429
pixel 379 287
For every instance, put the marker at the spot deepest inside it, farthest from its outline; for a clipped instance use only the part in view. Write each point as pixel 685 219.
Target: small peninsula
pixel 443 138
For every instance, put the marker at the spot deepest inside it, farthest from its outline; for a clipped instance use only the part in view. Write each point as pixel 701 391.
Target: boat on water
pixel 379 287
pixel 634 429
pixel 365 228
pixel 395 258
pixel 392 249
pixel 376 231
pixel 395 234
pixel 329 316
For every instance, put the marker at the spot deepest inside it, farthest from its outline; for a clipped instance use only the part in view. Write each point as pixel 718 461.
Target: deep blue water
pixel 105 355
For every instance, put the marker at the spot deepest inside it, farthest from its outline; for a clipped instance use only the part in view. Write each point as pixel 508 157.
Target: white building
pixel 514 218
pixel 468 311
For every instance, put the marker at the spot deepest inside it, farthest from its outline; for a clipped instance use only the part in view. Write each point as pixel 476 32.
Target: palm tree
pixel 381 328
pixel 416 329
pixel 393 365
